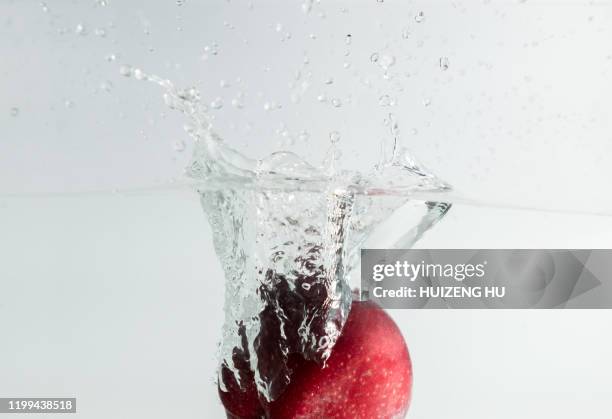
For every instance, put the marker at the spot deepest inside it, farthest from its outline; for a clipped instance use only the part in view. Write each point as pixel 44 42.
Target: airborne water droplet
pixel 179 146
pixel 385 100
pixel 80 29
pixel 374 57
pixel 69 104
pixel 139 74
pixel 420 17
pixel 303 135
pixel 106 86
pixel 334 137
pixel 217 103
pixel 125 70
pixel 444 63
pixel 14 111
pixel 101 32
pixel 306 286
pixel 336 102
pixel 237 103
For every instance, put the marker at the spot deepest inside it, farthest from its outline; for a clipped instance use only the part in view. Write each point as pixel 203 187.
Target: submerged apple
pixel 368 375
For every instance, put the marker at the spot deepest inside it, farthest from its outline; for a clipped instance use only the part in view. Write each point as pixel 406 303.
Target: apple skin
pixel 367 376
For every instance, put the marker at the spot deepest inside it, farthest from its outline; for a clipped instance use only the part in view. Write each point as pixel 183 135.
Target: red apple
pixel 368 375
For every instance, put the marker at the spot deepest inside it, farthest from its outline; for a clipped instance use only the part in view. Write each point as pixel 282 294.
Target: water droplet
pixel 80 29
pixel 106 86
pixel 374 57
pixel 179 146
pixel 180 2
pixel 237 103
pixel 444 63
pixel 386 61
pixel 304 136
pixel 69 104
pixel 14 111
pixel 406 33
pixel 139 74
pixel 346 65
pixel 321 98
pixel 44 7
pixel 126 70
pixel 217 103
pixel 348 39
pixel 414 131
pixel 306 286
pixel 278 27
pixel 101 32
pixel 210 50
pixel 224 84
pixel 102 3
pixel 384 100
pixel 427 102
pixel 307 6
pixel 336 102
pixel 334 137
pixel 329 80
pixel 420 17
pixel 111 57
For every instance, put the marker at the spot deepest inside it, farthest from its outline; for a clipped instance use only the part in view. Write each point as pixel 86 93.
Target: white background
pixel 117 298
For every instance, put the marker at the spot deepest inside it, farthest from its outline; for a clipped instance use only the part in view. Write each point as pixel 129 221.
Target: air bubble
pixel 420 17
pixel 374 57
pixel 306 286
